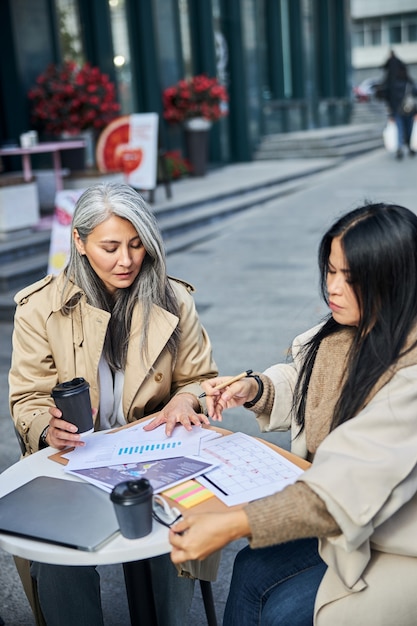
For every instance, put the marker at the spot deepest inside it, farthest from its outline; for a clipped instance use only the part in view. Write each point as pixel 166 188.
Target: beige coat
pixel 366 473
pixel 49 347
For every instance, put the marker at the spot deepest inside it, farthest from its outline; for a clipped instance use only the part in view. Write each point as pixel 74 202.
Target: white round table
pixel 132 553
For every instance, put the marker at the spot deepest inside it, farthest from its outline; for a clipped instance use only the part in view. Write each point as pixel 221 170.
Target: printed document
pixel 134 444
pixel 247 469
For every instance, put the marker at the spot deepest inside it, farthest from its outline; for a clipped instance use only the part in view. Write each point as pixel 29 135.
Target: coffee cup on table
pixel 73 399
pixel 132 501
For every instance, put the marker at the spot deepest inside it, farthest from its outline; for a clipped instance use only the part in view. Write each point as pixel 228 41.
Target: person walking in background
pixel 338 547
pixel 396 85
pixel 115 318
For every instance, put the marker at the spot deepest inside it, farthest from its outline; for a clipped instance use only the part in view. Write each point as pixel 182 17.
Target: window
pixel 401 28
pixel 121 60
pixel 374 33
pixel 394 31
pixel 358 36
pixel 185 38
pixel 411 30
pixel 69 31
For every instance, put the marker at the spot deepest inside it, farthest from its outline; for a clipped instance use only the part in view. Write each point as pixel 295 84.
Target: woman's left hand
pixel 179 410
pixel 197 536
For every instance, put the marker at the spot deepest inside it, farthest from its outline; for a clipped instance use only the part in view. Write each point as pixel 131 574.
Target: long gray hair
pixel 151 287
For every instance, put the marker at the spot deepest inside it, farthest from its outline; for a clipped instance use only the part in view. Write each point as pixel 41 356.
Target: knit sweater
pixel 297 511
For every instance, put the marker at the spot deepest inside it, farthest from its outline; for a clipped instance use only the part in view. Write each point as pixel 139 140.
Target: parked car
pixel 366 90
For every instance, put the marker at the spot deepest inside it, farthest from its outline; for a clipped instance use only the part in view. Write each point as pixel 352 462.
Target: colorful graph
pixel 149 447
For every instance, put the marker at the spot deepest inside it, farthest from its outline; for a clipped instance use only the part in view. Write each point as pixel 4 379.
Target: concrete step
pixel 182 226
pixel 369 112
pixel 218 194
pixel 339 141
pixel 342 151
pixel 181 231
pixel 22 271
pixel 324 136
pixel 284 141
pixel 23 244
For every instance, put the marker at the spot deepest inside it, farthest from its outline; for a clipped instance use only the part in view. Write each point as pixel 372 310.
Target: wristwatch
pixel 42 439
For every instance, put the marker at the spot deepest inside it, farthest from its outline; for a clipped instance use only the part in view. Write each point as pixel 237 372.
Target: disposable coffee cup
pixel 132 501
pixel 73 399
pixel 25 140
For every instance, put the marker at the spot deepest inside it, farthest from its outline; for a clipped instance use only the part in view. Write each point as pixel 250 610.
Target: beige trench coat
pixel 49 347
pixel 366 473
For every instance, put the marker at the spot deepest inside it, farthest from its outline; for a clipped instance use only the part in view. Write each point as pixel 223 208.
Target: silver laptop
pixel 72 514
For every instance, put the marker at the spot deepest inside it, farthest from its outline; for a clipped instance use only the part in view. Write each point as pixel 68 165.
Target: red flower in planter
pixel 200 96
pixel 71 99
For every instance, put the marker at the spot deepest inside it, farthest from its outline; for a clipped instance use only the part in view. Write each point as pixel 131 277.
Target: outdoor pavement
pixel 256 286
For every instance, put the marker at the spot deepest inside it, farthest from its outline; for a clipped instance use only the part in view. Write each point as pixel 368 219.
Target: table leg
pixel 139 593
pixel 57 170
pixel 27 168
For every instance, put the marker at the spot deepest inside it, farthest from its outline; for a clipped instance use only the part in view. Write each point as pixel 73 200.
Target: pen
pixel 229 382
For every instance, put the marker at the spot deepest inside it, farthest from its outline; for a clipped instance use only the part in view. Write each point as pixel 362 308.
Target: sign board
pixel 139 158
pixel 59 247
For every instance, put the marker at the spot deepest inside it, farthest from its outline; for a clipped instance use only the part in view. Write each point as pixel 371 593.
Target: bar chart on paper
pixel 143 449
pixel 125 447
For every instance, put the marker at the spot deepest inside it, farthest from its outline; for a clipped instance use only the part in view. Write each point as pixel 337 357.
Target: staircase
pixel 24 254
pixel 372 112
pixel 183 222
pixel 23 260
pixel 364 133
pixel 335 141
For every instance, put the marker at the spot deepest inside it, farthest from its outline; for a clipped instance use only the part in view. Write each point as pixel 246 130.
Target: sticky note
pixel 188 493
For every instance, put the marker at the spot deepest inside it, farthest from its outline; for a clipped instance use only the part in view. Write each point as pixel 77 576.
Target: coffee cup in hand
pixel 73 399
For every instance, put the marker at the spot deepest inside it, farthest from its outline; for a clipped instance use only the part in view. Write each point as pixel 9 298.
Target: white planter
pixel 19 206
pixel 197 123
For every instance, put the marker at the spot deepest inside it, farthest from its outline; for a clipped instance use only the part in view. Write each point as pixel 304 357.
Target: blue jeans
pixel 405 126
pixel 275 585
pixel 70 595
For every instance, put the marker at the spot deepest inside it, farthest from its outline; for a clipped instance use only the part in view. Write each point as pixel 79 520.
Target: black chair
pixel 207 594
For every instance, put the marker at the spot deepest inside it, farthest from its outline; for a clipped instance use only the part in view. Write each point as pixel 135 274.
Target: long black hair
pixel 379 242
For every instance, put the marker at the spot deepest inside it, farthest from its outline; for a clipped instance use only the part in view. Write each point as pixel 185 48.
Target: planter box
pixel 19 204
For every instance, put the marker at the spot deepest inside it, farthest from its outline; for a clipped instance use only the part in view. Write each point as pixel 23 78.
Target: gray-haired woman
pixel 115 318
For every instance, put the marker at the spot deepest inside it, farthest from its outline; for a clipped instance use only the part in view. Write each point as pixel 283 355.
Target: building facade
pixel 379 26
pixel 286 63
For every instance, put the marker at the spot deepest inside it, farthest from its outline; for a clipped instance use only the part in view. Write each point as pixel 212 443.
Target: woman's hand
pixel 179 410
pixel 233 395
pixel 197 536
pixel 61 434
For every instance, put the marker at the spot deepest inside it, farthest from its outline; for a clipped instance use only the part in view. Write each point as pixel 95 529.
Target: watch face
pixel 44 433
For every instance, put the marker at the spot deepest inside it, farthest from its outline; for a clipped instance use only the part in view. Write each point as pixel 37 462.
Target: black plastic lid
pixel 132 492
pixel 70 387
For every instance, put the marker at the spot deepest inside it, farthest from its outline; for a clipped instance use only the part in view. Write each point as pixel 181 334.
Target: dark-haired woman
pixel 397 85
pixel 340 545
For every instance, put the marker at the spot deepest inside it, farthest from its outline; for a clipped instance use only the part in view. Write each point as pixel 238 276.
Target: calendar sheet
pixel 247 469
